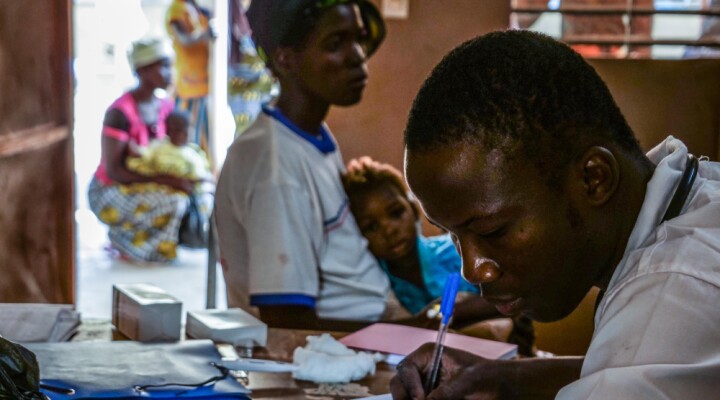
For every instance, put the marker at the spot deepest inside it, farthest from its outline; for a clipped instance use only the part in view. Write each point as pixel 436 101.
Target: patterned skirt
pixel 143 218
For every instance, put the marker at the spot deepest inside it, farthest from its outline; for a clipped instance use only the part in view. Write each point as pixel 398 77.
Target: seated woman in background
pixel 143 218
pixel 417 266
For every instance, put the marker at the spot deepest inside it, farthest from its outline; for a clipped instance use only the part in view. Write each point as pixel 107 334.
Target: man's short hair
pixel 522 92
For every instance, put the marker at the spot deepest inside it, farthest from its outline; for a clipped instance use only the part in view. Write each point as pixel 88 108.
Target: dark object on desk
pixel 19 373
pixel 127 370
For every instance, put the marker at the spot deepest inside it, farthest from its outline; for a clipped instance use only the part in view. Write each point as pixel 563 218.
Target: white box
pixel 146 313
pixel 234 326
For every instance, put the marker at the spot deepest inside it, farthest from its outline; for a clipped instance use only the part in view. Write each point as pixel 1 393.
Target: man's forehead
pixel 455 162
pixel 457 179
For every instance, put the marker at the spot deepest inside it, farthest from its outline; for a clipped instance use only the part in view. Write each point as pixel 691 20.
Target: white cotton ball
pixel 326 368
pixel 328 345
pixel 326 360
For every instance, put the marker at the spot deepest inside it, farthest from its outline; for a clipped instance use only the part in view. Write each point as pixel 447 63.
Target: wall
pixel 411 50
pixel 36 174
pixel 663 97
pixel 658 97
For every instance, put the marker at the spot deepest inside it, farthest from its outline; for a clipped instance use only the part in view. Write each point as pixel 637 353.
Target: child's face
pixel 388 221
pixel 331 64
pixel 177 130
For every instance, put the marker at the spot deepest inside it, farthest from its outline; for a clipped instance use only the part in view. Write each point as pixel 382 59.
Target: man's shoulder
pixel 695 255
pixel 262 156
pixel 679 257
pixel 266 138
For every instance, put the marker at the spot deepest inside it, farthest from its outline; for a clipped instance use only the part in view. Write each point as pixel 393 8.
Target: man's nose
pixel 477 268
pixel 357 54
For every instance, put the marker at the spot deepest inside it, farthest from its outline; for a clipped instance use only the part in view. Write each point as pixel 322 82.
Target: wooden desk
pixel 280 346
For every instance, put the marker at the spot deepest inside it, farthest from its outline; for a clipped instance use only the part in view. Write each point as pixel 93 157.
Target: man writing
pixel 516 147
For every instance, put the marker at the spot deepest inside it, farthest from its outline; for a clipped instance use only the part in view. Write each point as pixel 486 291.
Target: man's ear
pixel 600 172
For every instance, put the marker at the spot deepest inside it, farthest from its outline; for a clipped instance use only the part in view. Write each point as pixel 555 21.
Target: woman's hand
pixel 462 376
pixel 184 185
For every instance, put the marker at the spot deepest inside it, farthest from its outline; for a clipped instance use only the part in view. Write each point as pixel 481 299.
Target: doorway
pixel 103 31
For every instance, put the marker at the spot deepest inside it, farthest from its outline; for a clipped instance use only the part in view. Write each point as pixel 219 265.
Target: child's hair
pixel 371 175
pixel 180 115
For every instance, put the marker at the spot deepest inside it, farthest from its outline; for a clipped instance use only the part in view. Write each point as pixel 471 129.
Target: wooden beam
pixel 34 138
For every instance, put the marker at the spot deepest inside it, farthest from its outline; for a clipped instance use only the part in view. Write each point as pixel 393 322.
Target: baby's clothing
pixel 162 157
pixel 438 259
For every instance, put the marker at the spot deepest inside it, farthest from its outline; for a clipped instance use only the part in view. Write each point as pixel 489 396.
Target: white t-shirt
pixel 285 229
pixel 657 329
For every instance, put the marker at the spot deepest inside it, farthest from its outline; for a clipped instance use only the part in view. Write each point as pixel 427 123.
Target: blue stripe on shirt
pixel 282 300
pixel 339 217
pixel 323 143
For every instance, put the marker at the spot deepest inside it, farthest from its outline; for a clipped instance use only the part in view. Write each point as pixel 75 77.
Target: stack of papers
pixel 27 322
pixel 400 340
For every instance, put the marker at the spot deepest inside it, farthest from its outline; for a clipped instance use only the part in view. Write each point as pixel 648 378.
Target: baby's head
pixel 177 124
pixel 386 215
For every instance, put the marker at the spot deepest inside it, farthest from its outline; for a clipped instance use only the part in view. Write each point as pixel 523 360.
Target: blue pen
pixel 446 309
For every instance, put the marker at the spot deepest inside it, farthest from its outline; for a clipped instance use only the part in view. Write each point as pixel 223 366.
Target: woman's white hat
pixel 148 51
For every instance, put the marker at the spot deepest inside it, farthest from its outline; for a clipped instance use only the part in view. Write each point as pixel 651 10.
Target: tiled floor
pixel 97 272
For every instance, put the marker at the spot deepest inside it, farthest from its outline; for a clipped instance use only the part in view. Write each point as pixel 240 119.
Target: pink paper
pixel 403 340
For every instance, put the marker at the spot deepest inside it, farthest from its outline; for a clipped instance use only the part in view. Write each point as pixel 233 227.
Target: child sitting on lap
pixel 417 266
pixel 173 155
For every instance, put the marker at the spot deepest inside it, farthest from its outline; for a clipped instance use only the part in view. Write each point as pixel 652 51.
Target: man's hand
pixel 462 375
pixel 467 376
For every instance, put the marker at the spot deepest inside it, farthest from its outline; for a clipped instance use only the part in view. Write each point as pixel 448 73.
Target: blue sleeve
pixel 443 260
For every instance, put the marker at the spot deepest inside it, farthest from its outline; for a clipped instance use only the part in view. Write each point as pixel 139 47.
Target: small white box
pixel 233 325
pixel 146 313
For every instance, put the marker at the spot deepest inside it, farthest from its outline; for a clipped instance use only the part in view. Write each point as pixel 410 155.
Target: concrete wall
pixel 664 97
pixel 658 97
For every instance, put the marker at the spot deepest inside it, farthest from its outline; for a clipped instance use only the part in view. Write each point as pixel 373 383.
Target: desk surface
pixel 280 346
